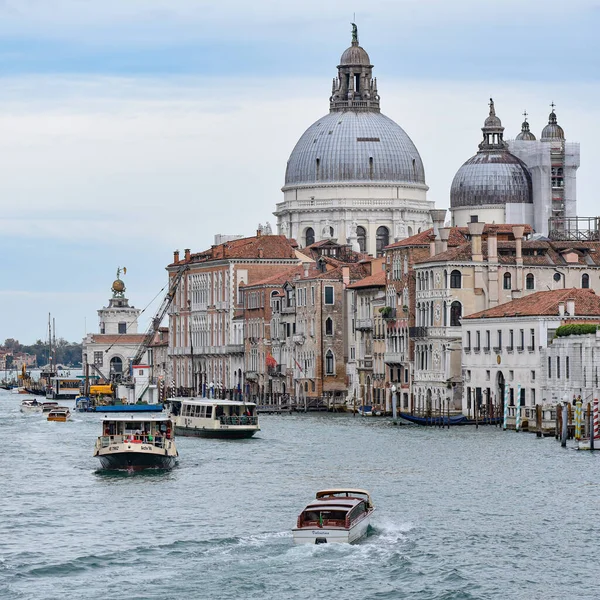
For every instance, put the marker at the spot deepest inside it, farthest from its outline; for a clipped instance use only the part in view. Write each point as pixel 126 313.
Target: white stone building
pixel 354 175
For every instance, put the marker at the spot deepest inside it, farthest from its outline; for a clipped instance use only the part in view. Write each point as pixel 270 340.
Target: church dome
pixel 354 147
pixel 525 134
pixel 493 175
pixel 355 55
pixel 552 131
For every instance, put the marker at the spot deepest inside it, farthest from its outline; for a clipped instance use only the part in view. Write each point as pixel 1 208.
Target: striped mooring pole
pixel 505 422
pixel 596 418
pixel 578 415
pixel 518 408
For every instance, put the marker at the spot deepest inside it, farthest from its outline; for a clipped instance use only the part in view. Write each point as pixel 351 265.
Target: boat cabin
pixel 336 508
pixel 64 387
pixel 226 412
pixel 136 431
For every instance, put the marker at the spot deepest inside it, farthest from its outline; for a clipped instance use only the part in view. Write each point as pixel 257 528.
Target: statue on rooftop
pixel 354 33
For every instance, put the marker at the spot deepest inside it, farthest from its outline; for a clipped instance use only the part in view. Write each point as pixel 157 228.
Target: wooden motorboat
pixel 31 406
pixel 60 414
pixel 337 515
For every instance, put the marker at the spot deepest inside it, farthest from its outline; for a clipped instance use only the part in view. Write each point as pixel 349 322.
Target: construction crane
pixel 158 317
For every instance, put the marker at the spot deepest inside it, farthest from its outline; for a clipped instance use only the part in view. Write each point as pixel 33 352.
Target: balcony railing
pixel 497 349
pixel 417 332
pixel 298 338
pixel 394 358
pixel 531 348
pixel 510 348
pixel 486 349
pixel 364 324
pixel 477 349
pixel 467 349
pixel 520 348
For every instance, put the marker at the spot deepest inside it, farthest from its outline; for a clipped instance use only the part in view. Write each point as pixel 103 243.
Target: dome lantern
pixel 552 131
pixel 525 134
pixel 493 132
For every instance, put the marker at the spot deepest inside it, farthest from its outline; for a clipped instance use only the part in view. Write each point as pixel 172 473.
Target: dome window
pixel 585 281
pixel 310 236
pixel 383 239
pixel 456 279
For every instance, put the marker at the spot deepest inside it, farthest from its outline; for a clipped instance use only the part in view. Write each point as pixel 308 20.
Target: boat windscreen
pixel 329 515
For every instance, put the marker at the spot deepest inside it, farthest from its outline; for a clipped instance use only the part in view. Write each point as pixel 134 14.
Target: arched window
pixel 116 365
pixel 507 281
pixel 329 363
pixel 383 239
pixel 530 282
pixel 361 237
pixel 329 326
pixel 455 313
pixel 585 281
pixel 310 236
pixel 455 279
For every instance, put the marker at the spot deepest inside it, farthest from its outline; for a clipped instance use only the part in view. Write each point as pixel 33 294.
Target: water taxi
pixel 48 406
pixel 31 406
pixel 59 413
pixel 337 515
pixel 136 443
pixel 206 417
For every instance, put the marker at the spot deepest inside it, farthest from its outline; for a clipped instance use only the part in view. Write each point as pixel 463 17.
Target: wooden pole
pixel 564 428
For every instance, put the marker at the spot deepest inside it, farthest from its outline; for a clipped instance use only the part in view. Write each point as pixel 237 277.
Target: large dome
pixel 491 177
pixel 354 147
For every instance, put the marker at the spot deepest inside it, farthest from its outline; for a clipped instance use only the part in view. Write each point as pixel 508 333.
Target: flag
pixel 124 270
pixel 320 519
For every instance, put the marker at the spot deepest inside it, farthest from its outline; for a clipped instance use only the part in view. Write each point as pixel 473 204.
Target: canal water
pixel 461 513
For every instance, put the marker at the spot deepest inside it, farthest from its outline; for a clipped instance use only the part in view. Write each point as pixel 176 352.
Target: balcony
pixel 288 310
pixel 388 313
pixel 364 324
pixel 394 358
pixel 486 349
pixel 298 338
pixel 520 348
pixel 477 349
pixel 530 348
pixel 234 348
pixel 278 371
pixel 251 376
pixel 417 332
pixel 467 349
pixel 365 363
pixel 510 349
pixel 497 349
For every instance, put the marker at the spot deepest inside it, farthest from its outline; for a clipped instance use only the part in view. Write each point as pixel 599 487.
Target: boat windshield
pixel 324 517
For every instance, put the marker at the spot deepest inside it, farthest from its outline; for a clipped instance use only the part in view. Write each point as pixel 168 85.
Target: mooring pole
pixel 564 431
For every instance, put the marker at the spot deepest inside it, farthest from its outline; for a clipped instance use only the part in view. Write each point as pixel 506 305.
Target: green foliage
pixel 386 311
pixel 66 353
pixel 576 329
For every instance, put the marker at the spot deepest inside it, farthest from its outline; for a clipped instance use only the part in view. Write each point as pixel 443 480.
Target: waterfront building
pixel 206 325
pixel 158 359
pixel 525 180
pixel 365 367
pixel 107 354
pixel 513 345
pixel 494 265
pixel 354 176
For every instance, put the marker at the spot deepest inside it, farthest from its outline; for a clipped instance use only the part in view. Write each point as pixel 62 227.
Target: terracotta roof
pixel 455 238
pixel 125 338
pixel 256 247
pixel 279 278
pixel 376 280
pixel 587 304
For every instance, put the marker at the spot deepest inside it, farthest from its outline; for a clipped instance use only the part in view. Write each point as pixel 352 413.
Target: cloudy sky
pixel 131 128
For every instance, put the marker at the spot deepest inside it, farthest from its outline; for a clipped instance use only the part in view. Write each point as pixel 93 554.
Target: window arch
pixel 383 239
pixel 530 282
pixel 329 326
pixel 361 237
pixel 507 281
pixel 585 281
pixel 455 313
pixel 329 363
pixel 456 279
pixel 309 236
pixel 116 365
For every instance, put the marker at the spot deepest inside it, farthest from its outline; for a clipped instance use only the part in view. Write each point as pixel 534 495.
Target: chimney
pixel 438 216
pixel 305 266
pixel 176 256
pixel 444 235
pixel 518 233
pixel 475 231
pixel 561 309
pixel 346 276
pixel 187 254
pixel 492 242
pixel 431 244
pixel 259 231
pixel 261 253
pixel 571 307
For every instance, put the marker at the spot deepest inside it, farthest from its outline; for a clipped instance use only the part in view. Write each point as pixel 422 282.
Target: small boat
pixel 140 442
pixel 31 406
pixel 59 413
pixel 210 417
pixel 48 406
pixel 337 515
pixel 444 420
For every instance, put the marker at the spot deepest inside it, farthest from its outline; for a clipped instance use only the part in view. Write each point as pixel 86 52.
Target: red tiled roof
pixel 376 280
pixel 455 238
pixel 587 304
pixel 278 278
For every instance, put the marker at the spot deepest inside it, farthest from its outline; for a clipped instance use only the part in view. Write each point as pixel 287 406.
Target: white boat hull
pixel 31 409
pixel 331 535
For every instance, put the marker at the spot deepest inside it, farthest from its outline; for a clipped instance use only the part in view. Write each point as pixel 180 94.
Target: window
pixel 530 282
pixel 102 328
pixel 556 277
pixel 455 279
pixel 329 326
pixel 455 313
pixel 309 236
pixel 329 363
pixel 361 238
pixel 487 340
pixel 122 327
pixel 532 339
pixel 98 358
pixel 550 368
pixel 383 239
pixel 499 335
pixel 558 367
pixel 352 353
pixel 585 281
pixel 532 375
pixel 468 346
pixel 511 339
pixel 116 365
pixel 507 281
pixel 487 375
pixel 328 294
pixel 477 340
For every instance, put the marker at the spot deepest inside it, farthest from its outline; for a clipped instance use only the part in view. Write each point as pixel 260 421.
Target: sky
pixel 131 129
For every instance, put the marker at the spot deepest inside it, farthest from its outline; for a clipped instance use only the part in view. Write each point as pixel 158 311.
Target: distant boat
pixel 452 420
pixel 60 414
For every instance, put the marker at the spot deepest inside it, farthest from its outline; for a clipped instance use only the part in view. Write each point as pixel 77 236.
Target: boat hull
pixel 136 456
pixel 231 434
pixel 331 535
pixel 436 421
pixel 31 409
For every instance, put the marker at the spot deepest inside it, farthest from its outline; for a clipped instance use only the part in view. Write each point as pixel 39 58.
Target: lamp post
pixel 212 389
pixel 394 404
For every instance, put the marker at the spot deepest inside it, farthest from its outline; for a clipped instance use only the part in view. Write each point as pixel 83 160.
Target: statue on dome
pixel 118 287
pixel 354 33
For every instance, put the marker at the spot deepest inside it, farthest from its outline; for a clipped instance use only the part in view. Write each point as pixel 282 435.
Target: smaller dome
pixel 552 131
pixel 525 134
pixel 355 55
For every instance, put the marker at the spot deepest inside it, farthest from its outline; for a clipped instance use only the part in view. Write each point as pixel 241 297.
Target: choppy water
pixel 460 514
